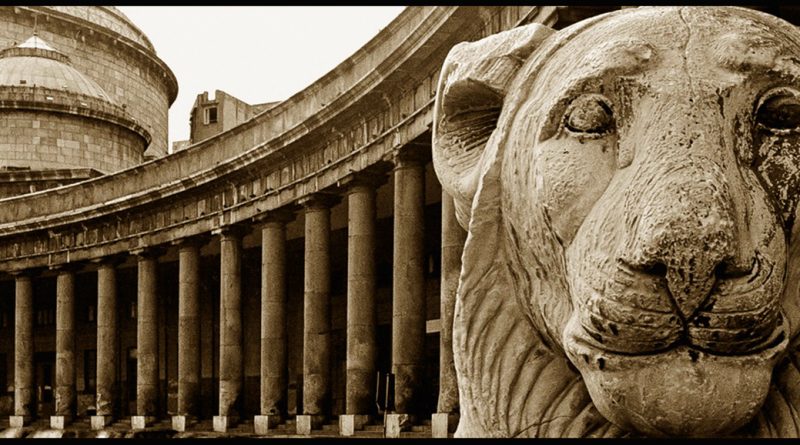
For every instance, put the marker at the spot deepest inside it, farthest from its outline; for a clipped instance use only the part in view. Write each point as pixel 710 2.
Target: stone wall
pixel 40 139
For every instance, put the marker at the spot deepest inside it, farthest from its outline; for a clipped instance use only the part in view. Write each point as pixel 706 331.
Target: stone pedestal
pixel 223 423
pixel 142 422
pixel 60 422
pixel 24 403
pixel 443 424
pixel 181 423
pixel 305 423
pixel 350 423
pixel 262 424
pixel 408 284
pixel 361 315
pixel 230 322
pixel 100 422
pixel 395 423
pixel 106 345
pixel 19 421
pixel 65 396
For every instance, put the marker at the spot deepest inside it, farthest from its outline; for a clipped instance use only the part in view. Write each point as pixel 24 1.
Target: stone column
pixel 65 348
pixel 316 313
pixel 361 315
pixel 188 332
pixel 146 339
pixel 107 355
pixel 231 370
pixel 273 320
pixel 445 420
pixel 408 290
pixel 24 402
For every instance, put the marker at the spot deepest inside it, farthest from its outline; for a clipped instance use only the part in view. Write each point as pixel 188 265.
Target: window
pixel 210 115
pixel 133 310
pixel 90 371
pixel 46 316
pixel 90 313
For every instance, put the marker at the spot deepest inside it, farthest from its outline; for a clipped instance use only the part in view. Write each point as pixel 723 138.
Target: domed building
pixel 56 124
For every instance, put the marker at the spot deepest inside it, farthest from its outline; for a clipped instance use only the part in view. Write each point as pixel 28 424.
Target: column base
pixel 443 424
pixel 223 423
pixel 100 422
pixel 350 423
pixel 262 424
pixel 395 423
pixel 305 423
pixel 59 422
pixel 142 422
pixel 19 421
pixel 180 423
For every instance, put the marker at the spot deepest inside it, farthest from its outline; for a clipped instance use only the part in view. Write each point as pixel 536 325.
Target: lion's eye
pixel 589 113
pixel 779 110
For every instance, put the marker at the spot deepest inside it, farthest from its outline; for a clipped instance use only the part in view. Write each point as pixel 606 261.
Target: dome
pixel 35 64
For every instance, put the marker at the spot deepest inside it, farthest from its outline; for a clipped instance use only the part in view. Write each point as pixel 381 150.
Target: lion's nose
pixel 685 233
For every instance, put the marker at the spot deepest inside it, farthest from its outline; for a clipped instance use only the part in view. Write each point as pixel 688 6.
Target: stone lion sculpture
pixel 629 185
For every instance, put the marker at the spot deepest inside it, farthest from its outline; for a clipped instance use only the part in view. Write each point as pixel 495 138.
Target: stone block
pixel 100 422
pixel 59 422
pixel 350 423
pixel 262 424
pixel 395 423
pixel 305 423
pixel 19 421
pixel 223 423
pixel 180 423
pixel 141 422
pixel 443 424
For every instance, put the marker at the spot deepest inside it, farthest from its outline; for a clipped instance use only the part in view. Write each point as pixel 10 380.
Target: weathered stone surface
pixel 189 328
pixel 630 187
pixel 408 285
pixel 24 407
pixel 453 237
pixel 230 321
pixel 361 316
pixel 107 355
pixel 146 338
pixel 65 347
pixel 316 309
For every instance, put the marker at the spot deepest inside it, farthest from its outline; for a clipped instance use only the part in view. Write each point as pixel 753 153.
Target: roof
pixel 34 63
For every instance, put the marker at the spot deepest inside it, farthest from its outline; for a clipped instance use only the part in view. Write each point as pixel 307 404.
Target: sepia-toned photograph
pixel 384 222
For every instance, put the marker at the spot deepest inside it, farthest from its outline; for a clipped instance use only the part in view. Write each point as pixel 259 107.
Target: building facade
pixel 270 273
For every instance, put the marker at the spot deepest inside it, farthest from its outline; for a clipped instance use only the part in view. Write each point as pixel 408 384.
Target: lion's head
pixel 630 188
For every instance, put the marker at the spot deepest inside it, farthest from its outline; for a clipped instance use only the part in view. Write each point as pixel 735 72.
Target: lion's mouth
pixel 630 312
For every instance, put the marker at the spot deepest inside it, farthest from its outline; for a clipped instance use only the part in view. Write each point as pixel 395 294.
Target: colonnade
pixel 408 318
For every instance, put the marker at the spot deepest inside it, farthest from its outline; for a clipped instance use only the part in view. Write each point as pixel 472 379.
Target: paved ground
pixel 81 429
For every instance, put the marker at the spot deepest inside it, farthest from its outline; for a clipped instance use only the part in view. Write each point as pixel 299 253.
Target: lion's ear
pixel 472 85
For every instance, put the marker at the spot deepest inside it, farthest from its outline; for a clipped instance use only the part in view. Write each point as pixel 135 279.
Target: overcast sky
pixel 256 53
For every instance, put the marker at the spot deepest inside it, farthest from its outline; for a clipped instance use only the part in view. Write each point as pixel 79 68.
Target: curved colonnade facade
pixel 268 274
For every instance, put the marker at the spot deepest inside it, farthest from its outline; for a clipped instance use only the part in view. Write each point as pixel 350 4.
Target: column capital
pixel 66 267
pixel 148 251
pixel 411 155
pixel 232 231
pixel 112 260
pixel 281 215
pixel 319 200
pixel 362 178
pixel 30 272
pixel 194 240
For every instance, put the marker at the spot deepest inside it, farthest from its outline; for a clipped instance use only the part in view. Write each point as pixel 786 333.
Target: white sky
pixel 256 53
